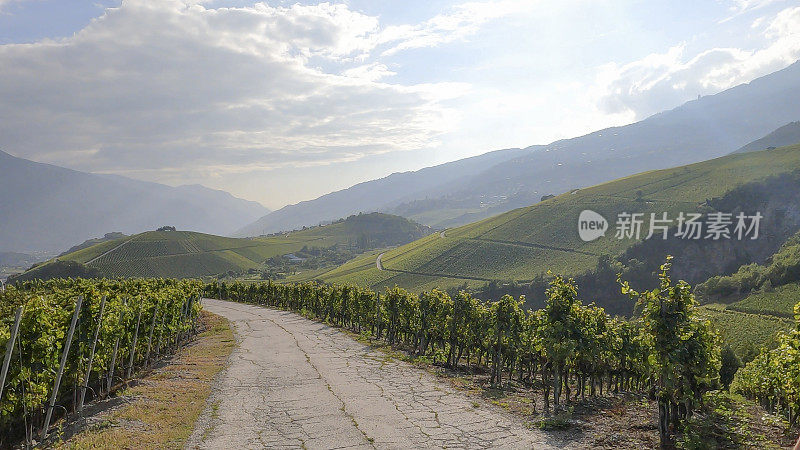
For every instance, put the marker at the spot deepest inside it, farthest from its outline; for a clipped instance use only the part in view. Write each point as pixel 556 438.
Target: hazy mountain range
pixel 466 190
pixel 50 208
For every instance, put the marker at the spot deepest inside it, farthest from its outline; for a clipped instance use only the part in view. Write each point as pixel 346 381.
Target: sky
pixel 280 101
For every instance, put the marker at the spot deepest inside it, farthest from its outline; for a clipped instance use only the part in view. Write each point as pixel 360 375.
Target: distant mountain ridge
pixel 50 208
pixel 375 195
pixel 499 181
pixel 786 135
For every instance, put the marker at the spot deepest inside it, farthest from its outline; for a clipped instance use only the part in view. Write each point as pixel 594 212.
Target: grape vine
pixel 162 307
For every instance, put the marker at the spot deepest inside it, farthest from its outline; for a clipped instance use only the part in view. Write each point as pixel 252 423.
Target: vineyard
pixel 745 332
pixel 520 244
pixel 186 254
pixel 773 377
pixel 778 301
pixel 567 349
pixel 69 341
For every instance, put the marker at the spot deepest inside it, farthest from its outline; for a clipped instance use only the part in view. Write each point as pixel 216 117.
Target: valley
pixel 442 299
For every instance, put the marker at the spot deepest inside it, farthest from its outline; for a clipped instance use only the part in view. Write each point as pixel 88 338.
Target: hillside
pixel 184 254
pixel 786 135
pixel 759 283
pixel 50 208
pixel 468 190
pixel 381 194
pixel 525 243
pixel 94 241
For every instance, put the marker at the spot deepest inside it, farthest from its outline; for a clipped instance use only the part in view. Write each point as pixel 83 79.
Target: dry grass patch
pixel 160 409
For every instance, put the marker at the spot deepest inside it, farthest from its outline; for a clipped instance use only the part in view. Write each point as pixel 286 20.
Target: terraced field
pixel 525 242
pixel 188 254
pixel 746 331
pixel 777 302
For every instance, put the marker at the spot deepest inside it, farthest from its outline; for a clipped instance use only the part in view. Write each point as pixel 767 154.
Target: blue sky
pixel 282 101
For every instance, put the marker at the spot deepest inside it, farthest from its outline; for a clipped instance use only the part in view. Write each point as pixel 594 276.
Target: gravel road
pixel 296 383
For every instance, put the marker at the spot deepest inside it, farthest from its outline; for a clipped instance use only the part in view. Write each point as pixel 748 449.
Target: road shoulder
pixel 160 409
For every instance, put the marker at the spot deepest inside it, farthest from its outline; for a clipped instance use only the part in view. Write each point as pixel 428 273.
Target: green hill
pixel 525 243
pixel 757 300
pixel 183 254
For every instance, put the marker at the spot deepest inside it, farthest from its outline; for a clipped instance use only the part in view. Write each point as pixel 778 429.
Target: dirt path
pixel 296 383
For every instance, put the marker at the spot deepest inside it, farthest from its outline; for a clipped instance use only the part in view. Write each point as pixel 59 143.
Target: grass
pixel 164 406
pixel 520 244
pixel 186 254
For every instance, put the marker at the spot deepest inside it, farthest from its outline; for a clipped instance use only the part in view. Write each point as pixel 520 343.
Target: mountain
pixel 786 135
pixel 183 254
pixel 521 245
pixel 12 259
pixel 49 208
pixel 94 241
pixel 374 195
pixel 468 190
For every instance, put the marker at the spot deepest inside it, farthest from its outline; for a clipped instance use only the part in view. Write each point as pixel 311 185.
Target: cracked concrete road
pixel 296 383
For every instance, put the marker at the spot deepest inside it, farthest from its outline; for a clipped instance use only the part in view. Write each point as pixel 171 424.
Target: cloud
pixel 4 3
pixel 176 89
pixel 740 6
pixel 464 19
pixel 664 80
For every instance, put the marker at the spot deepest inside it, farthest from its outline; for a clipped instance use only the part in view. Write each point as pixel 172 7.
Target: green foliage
pixel 730 363
pixel 722 422
pixel 746 333
pixel 48 309
pixel 773 377
pixel 563 346
pixel 57 269
pixel 783 268
pixel 684 349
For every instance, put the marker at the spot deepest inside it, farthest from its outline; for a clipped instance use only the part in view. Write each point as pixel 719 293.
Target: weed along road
pixel 296 383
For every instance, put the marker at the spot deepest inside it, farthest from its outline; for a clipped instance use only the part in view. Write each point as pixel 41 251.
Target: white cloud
pixel 663 80
pixel 4 3
pixel 463 20
pixel 740 6
pixel 173 89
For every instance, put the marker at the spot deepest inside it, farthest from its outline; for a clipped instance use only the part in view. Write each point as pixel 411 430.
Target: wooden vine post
pixel 10 349
pixel 116 348
pixel 85 385
pixel 64 355
pixel 135 339
pixel 150 337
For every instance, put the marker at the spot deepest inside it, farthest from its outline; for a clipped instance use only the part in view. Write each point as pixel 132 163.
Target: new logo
pixel 591 225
